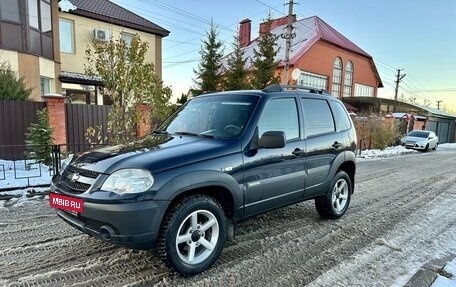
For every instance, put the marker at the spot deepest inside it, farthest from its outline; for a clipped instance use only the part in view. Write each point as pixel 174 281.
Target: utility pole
pixel 399 77
pixel 288 36
pixel 438 105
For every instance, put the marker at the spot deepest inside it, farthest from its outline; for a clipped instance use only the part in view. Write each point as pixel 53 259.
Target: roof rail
pixel 280 88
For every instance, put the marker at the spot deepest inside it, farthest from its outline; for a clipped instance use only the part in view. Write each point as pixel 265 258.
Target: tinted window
pixel 342 120
pixel 280 115
pixel 317 117
pixel 9 10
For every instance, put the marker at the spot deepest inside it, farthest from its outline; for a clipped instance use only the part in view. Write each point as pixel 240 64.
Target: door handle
pixel 298 152
pixel 336 145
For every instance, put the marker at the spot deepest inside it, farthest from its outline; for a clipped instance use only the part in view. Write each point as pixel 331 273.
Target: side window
pixel 280 115
pixel 317 117
pixel 342 120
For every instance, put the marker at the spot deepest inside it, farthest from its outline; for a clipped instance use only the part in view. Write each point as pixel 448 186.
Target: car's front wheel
pixel 192 235
pixel 335 203
pixel 435 147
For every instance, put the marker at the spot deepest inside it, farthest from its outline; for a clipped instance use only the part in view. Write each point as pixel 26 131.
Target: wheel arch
pixel 349 167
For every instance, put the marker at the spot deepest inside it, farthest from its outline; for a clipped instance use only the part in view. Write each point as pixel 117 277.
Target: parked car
pixel 420 140
pixel 218 159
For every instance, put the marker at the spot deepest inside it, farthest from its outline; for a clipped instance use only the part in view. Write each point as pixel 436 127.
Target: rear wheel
pixel 335 203
pixel 193 235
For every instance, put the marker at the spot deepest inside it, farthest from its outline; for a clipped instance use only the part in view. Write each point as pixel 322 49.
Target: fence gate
pixel 79 118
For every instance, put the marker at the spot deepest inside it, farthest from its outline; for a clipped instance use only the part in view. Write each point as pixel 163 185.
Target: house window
pixel 363 90
pixel 127 37
pixel 33 14
pixel 348 81
pixel 9 10
pixel 313 80
pixel 66 36
pixel 337 78
pixel 45 85
pixel 46 23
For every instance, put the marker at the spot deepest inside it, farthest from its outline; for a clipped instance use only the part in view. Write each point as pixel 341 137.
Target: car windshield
pixel 218 116
pixel 418 134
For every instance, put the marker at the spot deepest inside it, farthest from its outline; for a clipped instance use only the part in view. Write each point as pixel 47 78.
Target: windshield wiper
pixel 161 132
pixel 193 134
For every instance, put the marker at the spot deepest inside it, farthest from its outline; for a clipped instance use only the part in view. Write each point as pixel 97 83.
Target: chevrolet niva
pixel 220 158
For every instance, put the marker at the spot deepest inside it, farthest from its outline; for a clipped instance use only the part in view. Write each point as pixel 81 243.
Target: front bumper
pixel 131 225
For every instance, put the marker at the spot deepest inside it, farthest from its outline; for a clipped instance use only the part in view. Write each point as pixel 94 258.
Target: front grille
pixel 75 187
pixel 83 172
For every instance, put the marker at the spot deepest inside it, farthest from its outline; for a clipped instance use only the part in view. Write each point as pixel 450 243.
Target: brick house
pixel 320 57
pixel 99 20
pixel 45 42
pixel 28 43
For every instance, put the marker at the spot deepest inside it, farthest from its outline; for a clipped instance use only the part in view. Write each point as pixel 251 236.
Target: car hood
pixel 155 153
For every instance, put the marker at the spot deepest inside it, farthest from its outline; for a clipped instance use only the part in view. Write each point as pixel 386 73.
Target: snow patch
pixel 388 152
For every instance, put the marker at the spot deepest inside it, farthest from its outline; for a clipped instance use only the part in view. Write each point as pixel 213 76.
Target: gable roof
pixel 307 32
pixel 109 12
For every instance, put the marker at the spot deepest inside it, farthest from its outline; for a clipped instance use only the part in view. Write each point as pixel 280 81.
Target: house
pixel 29 43
pixel 99 20
pixel 320 57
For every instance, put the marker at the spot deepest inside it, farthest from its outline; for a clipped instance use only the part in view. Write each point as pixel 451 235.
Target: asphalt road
pixel 402 214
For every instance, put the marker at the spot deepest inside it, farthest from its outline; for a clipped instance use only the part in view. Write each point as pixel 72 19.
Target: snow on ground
pixel 22 174
pixel 395 151
pixel 442 281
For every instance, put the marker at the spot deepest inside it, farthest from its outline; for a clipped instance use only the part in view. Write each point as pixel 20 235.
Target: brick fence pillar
pixel 55 105
pixel 144 124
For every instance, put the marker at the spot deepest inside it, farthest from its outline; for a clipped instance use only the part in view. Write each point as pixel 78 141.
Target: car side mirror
pixel 272 139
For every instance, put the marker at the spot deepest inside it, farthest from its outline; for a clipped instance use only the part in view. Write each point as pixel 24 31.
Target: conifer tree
pixel 208 77
pixel 236 75
pixel 264 64
pixel 12 87
pixel 39 138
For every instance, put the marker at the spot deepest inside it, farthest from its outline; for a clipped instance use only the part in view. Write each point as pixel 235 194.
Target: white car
pixel 420 140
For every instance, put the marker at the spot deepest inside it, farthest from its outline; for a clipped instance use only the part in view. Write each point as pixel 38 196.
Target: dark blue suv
pixel 220 158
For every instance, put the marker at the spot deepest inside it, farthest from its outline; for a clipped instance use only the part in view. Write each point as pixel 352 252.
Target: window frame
pixel 336 81
pixel 49 85
pixel 348 79
pixel 19 4
pixel 72 34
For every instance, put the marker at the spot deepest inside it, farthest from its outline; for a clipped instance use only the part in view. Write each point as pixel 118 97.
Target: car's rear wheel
pixel 193 235
pixel 335 203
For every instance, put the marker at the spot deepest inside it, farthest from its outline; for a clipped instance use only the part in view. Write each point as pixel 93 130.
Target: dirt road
pixel 403 213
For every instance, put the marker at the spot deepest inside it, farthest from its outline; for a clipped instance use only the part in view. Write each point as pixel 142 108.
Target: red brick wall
pixel 55 106
pixel 319 59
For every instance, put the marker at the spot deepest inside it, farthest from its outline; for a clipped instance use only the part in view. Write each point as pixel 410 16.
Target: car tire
pixel 192 235
pixel 435 147
pixel 335 203
pixel 426 148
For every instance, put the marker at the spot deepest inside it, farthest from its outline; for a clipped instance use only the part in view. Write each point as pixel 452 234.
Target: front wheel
pixel 435 147
pixel 192 235
pixel 335 203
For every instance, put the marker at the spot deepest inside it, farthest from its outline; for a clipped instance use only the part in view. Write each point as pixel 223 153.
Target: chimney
pixel 268 26
pixel 245 30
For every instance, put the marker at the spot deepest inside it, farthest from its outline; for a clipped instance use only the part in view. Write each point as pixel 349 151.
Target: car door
pixel 275 177
pixel 323 143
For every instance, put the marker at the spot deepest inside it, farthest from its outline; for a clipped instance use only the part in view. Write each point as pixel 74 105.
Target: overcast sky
pixel 417 36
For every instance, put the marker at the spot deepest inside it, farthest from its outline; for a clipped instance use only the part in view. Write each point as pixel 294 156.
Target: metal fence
pixel 26 171
pixel 15 118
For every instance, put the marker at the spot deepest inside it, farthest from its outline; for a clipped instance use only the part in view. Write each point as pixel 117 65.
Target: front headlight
pixel 128 181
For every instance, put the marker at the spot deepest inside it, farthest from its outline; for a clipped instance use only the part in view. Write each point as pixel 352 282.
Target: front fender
pixel 198 179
